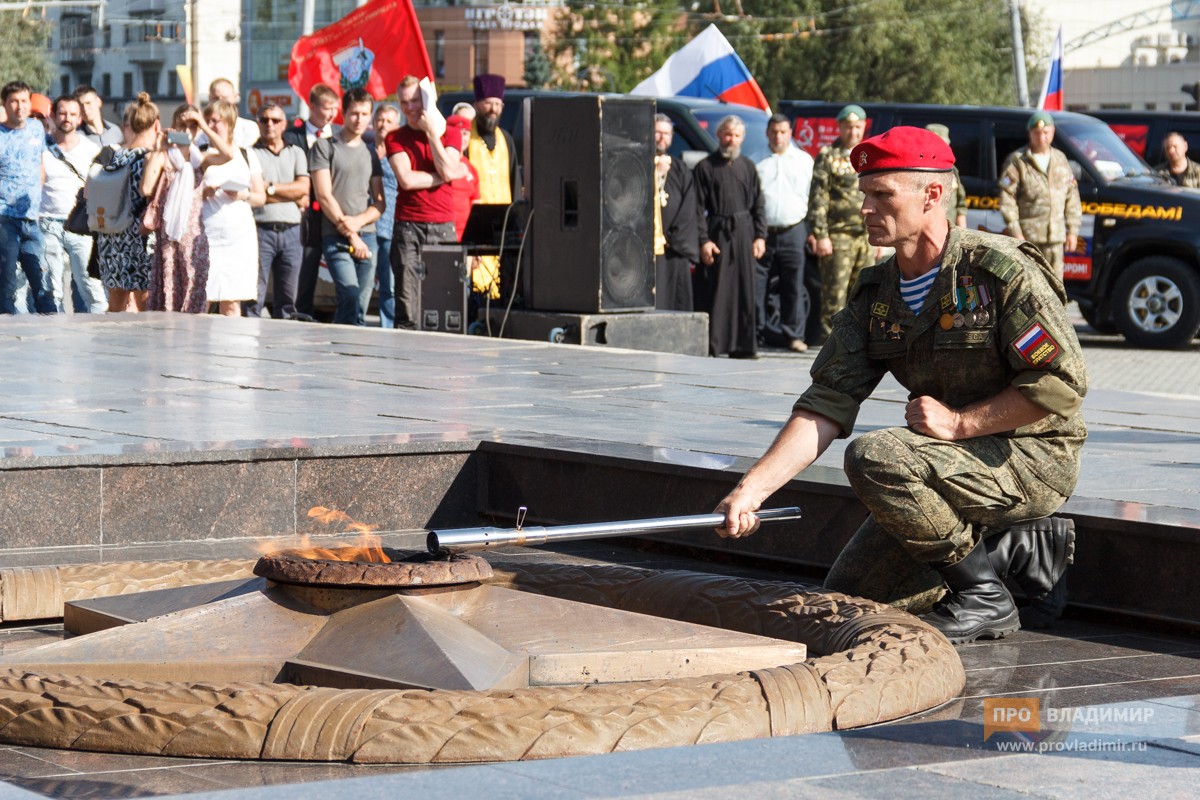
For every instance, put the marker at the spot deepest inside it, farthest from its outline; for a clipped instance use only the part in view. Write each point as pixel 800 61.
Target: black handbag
pixel 77 220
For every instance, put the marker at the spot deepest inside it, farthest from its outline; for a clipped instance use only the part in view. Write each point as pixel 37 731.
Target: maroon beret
pixel 489 85
pixel 902 148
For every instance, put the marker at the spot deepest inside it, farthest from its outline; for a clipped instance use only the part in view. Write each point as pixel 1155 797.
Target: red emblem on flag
pixel 372 47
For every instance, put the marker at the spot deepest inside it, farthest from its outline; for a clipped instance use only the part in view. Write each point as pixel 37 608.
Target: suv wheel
pixel 1092 317
pixel 1157 303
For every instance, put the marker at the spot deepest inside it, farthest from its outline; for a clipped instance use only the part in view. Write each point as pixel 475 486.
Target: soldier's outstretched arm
pixel 799 443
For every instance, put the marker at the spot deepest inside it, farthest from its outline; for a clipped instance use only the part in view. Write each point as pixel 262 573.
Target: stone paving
pixel 120 389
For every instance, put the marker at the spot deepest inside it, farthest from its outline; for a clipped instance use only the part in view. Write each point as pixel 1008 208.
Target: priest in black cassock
pixel 681 239
pixel 733 236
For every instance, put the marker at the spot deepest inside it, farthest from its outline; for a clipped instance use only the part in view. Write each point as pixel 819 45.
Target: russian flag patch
pixel 1036 346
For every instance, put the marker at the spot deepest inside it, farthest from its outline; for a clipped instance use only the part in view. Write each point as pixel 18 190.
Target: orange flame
pixel 366 547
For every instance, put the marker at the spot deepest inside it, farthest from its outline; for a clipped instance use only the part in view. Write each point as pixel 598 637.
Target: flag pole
pixel 1018 48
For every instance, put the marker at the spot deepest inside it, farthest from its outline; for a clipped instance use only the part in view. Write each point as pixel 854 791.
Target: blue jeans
pixel 67 259
pixel 353 278
pixel 21 244
pixel 383 273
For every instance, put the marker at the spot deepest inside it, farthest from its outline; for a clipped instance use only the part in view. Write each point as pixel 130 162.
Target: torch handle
pixel 461 540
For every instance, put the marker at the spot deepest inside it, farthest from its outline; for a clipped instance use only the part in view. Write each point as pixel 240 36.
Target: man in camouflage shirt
pixel 835 226
pixel 992 429
pixel 956 209
pixel 1039 198
pixel 1178 168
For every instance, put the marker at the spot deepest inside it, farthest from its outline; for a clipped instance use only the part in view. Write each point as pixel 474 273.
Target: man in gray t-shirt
pixel 349 186
pixel 280 251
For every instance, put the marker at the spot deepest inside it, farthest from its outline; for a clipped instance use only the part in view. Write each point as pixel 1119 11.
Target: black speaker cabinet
pixel 445 289
pixel 592 187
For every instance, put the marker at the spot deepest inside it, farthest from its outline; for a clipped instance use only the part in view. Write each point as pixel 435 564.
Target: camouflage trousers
pixel 851 254
pixel 1053 251
pixel 930 501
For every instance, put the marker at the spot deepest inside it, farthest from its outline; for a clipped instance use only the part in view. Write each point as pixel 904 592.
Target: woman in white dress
pixel 233 184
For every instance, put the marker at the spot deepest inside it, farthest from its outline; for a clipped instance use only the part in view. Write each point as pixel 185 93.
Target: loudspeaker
pixel 591 163
pixel 445 289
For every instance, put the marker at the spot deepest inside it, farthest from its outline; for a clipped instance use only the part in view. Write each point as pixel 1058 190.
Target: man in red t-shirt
pixel 424 164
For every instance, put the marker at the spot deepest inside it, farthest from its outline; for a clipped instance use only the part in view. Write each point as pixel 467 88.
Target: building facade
pixel 463 38
pixel 136 46
pixel 1126 54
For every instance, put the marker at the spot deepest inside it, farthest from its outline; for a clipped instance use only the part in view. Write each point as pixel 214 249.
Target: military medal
pixel 945 322
pixel 982 317
pixel 959 320
pixel 969 319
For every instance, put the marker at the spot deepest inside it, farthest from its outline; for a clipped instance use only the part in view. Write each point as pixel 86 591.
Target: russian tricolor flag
pixel 1052 87
pixel 707 66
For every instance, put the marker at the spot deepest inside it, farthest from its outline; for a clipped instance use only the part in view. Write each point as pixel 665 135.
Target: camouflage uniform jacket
pixel 1190 177
pixel 958 207
pixel 1024 340
pixel 834 201
pixel 1041 206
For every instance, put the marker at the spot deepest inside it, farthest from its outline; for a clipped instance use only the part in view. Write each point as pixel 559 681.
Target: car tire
pixel 1157 303
pixel 1092 318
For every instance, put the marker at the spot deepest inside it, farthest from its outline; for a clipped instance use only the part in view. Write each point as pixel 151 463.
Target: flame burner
pixel 339 567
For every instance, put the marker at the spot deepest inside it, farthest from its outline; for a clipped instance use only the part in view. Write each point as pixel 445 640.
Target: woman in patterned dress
pixel 121 257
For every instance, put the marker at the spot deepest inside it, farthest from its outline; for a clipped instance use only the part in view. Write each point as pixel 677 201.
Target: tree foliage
pixel 613 46
pixel 915 51
pixel 921 51
pixel 24 50
pixel 537 67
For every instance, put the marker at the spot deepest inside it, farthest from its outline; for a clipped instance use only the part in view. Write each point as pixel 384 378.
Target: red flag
pixel 372 47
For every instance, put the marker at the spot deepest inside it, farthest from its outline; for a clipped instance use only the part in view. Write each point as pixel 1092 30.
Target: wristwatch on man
pixel 270 190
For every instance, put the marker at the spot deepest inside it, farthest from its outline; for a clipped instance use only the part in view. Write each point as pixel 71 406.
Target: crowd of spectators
pixel 197 210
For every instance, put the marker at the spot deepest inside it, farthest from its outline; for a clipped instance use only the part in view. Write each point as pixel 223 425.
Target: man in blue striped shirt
pixel 960 496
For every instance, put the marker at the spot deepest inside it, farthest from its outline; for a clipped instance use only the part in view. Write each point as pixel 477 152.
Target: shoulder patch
pixel 1036 346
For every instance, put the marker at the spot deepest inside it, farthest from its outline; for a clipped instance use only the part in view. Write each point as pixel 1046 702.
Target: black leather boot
pixel 978 605
pixel 1036 555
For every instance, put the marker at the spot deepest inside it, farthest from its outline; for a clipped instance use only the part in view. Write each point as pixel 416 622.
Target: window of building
pixel 150 75
pixel 64 84
pixel 1151 106
pixel 481 52
pixel 106 86
pixel 439 53
pixel 127 85
pixel 107 36
pixel 172 83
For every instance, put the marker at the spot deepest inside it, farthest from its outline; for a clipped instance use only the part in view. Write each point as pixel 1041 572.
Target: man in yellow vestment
pixel 494 155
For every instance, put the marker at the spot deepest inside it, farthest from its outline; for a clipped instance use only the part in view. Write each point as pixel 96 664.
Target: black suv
pixel 1137 266
pixel 1144 131
pixel 695 121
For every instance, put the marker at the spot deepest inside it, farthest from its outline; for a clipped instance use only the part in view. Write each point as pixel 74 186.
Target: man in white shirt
pixel 66 161
pixel 785 176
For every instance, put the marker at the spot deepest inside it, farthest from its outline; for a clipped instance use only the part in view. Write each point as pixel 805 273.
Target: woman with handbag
pixel 121 255
pixel 179 266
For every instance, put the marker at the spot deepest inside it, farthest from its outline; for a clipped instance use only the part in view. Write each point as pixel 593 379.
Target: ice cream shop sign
pixel 506 17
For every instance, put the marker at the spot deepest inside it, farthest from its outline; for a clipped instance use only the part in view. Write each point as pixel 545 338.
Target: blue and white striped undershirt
pixel 914 292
